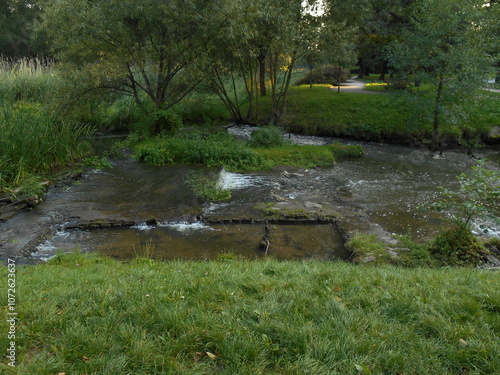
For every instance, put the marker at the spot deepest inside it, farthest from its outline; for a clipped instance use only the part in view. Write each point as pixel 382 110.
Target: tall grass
pixel 33 140
pixel 87 314
pixel 28 79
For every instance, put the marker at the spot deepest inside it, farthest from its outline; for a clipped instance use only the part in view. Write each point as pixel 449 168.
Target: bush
pixel 267 136
pixel 457 246
pixel 166 122
pixel 325 74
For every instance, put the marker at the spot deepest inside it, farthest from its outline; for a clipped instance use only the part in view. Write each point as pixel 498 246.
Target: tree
pixel 445 46
pixel 146 49
pixel 338 46
pixel 257 48
pixel 383 22
pixel 18 37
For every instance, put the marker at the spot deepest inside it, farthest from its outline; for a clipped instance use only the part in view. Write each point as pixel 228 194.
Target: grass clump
pixel 267 136
pixel 218 148
pixel 33 142
pixel 457 246
pixel 210 149
pixel 205 187
pixel 367 248
pixel 307 156
pixel 89 314
pixel 298 156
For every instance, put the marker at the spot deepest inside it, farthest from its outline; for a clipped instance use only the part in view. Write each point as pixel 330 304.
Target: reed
pixel 34 142
pixel 33 80
pixel 26 66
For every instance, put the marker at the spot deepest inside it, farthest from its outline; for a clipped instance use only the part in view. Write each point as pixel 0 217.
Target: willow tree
pixel 234 57
pixel 146 49
pixel 445 46
pixel 258 47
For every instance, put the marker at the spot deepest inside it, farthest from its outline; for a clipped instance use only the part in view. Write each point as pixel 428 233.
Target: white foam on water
pixel 232 181
pixel 245 132
pixel 143 226
pixel 183 226
pixel 212 207
pixel 486 228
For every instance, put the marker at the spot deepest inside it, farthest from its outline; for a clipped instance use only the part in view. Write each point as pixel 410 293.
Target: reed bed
pixel 33 140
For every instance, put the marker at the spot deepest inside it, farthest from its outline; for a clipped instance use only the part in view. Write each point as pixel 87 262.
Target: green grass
pixel 211 149
pixel 88 314
pixel 222 149
pixel 308 156
pixel 33 140
pixel 320 111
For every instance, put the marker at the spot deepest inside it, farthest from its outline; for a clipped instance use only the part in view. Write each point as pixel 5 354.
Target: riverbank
pixel 385 118
pixel 91 314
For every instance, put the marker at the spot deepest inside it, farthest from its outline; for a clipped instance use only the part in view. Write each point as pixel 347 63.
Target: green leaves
pixel 120 47
pixel 478 195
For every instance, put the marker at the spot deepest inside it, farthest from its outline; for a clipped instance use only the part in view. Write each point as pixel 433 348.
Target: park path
pixel 355 86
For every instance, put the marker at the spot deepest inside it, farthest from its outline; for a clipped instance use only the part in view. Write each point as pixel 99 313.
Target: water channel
pixel 166 221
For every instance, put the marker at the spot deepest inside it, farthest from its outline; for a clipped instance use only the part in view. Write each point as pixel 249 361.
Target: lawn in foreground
pixel 94 315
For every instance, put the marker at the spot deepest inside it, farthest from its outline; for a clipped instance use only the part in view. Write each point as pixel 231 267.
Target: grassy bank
pixel 88 314
pixel 321 111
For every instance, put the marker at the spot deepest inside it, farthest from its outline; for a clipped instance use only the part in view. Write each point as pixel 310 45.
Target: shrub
pixel 457 246
pixel 478 195
pixel 267 136
pixel 325 74
pixel 166 122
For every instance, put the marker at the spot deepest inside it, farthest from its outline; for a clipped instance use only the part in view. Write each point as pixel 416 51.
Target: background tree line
pixel 157 52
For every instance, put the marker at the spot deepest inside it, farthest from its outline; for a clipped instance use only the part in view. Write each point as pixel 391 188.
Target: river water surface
pixel 389 186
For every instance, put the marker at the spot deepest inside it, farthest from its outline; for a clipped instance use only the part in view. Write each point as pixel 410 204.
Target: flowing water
pixel 199 241
pixel 387 188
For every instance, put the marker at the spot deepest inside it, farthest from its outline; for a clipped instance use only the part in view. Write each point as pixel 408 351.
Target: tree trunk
pixel 437 111
pixel 262 74
pixel 383 72
pixel 339 77
pixel 361 73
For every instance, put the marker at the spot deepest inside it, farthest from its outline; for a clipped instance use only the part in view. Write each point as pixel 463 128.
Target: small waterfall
pixel 232 181
pixel 179 226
